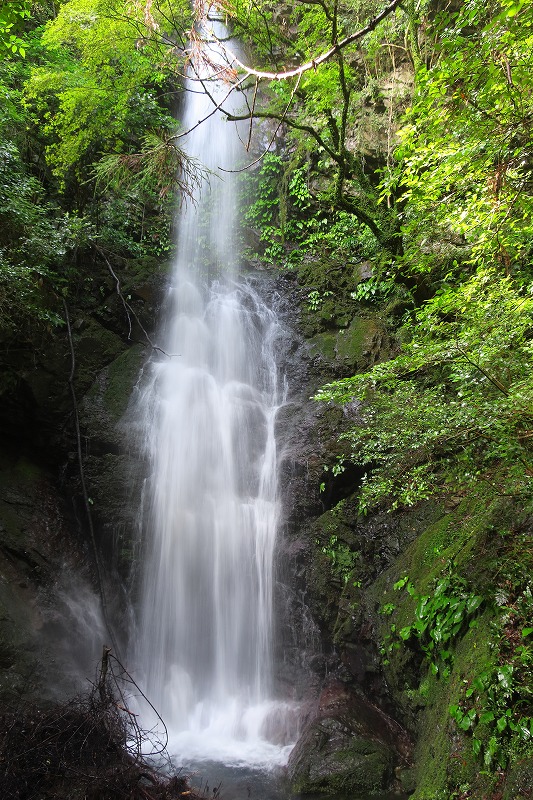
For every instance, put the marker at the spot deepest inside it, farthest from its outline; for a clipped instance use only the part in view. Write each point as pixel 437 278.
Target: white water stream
pixel 204 643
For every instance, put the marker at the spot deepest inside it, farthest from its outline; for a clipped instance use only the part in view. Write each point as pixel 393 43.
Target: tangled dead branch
pixel 90 748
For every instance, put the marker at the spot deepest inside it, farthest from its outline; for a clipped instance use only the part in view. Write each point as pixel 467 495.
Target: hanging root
pixel 90 748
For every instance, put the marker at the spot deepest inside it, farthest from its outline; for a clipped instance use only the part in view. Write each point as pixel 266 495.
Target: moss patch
pixel 107 399
pixel 519 783
pixel 444 756
pixel 323 345
pixel 476 541
pixel 357 346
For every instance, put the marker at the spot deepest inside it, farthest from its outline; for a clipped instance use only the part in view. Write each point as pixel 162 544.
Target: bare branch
pixel 281 118
pixel 252 110
pixel 128 308
pixel 293 124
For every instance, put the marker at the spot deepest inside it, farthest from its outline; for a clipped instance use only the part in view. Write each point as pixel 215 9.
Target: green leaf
pixel 501 724
pixel 473 603
pixel 490 751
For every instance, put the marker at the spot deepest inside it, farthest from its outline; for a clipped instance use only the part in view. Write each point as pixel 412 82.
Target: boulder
pixel 350 746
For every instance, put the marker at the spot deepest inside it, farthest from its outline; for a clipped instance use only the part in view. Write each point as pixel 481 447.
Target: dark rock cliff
pixel 51 625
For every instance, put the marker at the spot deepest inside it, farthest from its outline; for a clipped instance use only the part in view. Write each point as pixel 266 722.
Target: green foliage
pixel 264 213
pixel 480 641
pixel 34 242
pixel 160 165
pixel 96 89
pixel 292 229
pixel 496 707
pixel 88 144
pixel 451 416
pixel 452 412
pixel 465 155
pixel 326 113
pixel 454 409
pixel 343 560
pixel 315 299
pixel 12 16
pixel 35 236
pixel 281 212
pixel 440 618
pixel 374 290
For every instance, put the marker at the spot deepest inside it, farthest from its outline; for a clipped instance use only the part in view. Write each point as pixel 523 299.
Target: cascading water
pixel 205 631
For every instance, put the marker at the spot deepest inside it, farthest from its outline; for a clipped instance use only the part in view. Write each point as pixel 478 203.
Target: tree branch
pixel 291 123
pixel 280 117
pixel 316 62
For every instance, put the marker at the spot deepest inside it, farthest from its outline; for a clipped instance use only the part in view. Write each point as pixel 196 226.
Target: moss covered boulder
pixel 357 346
pixel 349 747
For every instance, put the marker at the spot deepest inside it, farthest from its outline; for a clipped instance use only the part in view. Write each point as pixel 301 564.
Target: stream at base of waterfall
pixel 206 411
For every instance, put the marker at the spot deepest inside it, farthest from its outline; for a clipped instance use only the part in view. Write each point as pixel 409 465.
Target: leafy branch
pixel 314 63
pixel 160 165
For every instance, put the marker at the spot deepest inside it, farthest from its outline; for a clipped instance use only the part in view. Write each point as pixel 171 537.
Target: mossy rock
pixel 333 760
pixel 350 748
pixel 519 783
pixel 323 345
pixel 112 481
pixel 357 346
pixel 361 344
pixel 326 577
pixel 106 401
pixel 94 346
pixel 474 540
pixel 444 756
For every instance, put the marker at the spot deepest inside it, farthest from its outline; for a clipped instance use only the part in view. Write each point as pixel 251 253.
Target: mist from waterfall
pixel 204 640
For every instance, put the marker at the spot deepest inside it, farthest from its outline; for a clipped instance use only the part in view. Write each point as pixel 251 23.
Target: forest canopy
pixel 398 135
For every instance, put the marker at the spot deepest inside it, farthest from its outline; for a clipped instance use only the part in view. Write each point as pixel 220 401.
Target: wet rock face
pixel 350 746
pixel 51 629
pixel 113 470
pixel 350 743
pixel 39 552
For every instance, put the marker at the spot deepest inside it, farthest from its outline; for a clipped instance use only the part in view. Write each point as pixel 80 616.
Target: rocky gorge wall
pixel 351 743
pixel 379 715
pixel 51 625
pixel 375 717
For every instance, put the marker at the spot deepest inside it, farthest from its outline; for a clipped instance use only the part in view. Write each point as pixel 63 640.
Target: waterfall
pixel 204 640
